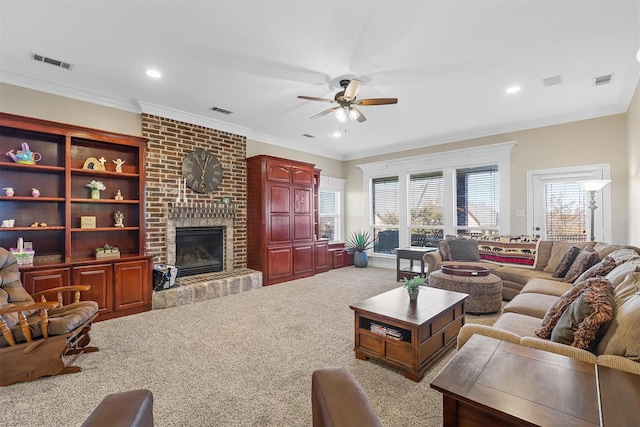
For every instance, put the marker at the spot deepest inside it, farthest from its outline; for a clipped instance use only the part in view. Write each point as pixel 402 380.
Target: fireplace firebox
pixel 199 250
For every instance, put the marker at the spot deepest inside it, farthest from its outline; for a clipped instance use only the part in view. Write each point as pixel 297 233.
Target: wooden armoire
pixel 282 219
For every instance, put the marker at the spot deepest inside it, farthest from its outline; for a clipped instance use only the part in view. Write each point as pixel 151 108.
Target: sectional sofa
pixel 534 293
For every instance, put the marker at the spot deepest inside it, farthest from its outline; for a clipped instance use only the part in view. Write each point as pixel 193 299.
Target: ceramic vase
pixel 413 296
pixel 360 259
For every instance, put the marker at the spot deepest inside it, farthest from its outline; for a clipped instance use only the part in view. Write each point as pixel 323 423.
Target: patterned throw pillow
pixel 601 269
pixel 565 263
pixel 587 258
pixel 444 249
pixel 555 311
pixel 585 321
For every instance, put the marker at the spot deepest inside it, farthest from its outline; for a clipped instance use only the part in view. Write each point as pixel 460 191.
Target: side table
pixel 412 254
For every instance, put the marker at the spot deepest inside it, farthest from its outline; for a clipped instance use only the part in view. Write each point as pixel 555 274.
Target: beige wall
pixel 613 139
pixel 633 126
pixel 602 140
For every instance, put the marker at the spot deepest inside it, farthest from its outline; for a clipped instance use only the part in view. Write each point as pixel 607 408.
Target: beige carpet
pixel 241 360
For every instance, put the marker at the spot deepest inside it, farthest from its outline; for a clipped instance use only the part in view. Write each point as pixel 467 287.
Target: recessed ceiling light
pixel 154 73
pixel 513 89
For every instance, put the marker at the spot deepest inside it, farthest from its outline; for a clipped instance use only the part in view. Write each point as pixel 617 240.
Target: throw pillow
pixel 602 268
pixel 585 260
pixel 464 250
pixel 565 263
pixel 584 322
pixel 618 274
pixel 445 251
pixel 558 308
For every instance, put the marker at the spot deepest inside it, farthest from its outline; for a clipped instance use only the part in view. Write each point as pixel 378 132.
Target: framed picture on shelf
pixel 87 222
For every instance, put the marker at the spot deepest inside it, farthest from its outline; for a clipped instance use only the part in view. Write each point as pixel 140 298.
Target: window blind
pixel 565 208
pixel 478 197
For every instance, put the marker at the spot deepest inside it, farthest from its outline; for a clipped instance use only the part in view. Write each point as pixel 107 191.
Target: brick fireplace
pixel 169 141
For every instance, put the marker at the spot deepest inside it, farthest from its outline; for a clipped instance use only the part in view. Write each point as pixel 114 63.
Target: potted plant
pixel 360 241
pixel 413 286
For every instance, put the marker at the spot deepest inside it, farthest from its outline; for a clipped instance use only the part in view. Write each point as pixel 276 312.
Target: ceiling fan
pixel 346 100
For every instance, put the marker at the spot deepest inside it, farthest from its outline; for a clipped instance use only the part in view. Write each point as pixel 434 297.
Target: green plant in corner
pixel 360 240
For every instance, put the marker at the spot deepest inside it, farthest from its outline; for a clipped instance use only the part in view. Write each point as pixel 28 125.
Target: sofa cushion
pixel 519 324
pixel 618 274
pixel 521 275
pixel 585 260
pixel 464 250
pixel 546 286
pixel 585 319
pixel 618 252
pixel 558 249
pixel 534 305
pixel 444 249
pixel 566 261
pixel 623 335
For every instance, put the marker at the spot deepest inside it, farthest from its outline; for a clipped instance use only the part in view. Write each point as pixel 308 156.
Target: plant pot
pixel 360 259
pixel 413 295
pixel 95 194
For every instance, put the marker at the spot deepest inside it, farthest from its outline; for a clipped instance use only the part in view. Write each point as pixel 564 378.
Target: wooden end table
pixel 412 254
pixel 491 382
pixel 410 335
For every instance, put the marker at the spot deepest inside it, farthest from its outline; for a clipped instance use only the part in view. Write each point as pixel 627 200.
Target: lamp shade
pixel 593 184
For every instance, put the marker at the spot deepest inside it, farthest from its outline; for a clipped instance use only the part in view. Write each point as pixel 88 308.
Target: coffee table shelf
pixel 429 327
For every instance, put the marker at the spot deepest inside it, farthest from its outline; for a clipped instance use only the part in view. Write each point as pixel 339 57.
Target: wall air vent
pixel 47 60
pixel 602 80
pixel 551 81
pixel 221 110
pixel 307 135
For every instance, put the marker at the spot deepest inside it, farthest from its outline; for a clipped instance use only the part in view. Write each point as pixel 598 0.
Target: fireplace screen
pixel 198 250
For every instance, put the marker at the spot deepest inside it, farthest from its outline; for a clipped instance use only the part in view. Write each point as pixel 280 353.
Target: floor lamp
pixel 591 186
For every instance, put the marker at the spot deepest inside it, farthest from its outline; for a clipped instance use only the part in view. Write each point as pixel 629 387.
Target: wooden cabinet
pixel 282 206
pixel 68 158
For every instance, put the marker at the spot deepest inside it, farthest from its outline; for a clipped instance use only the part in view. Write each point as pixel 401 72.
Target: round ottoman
pixel 485 292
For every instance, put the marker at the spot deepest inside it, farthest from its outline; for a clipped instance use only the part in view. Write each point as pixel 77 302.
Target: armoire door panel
pixel 302 200
pixel 302 175
pixel 280 199
pixel 279 228
pixel 278 171
pixel 302 227
pixel 279 262
pixel 302 259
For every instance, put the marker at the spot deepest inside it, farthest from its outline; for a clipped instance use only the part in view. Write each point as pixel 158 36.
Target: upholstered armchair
pixel 40 337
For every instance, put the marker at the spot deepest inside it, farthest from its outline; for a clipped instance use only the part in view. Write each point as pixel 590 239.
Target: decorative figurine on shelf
pixel 35 225
pixel 119 163
pixel 95 164
pixel 35 192
pixel 96 187
pixel 8 191
pixel 24 156
pixel 119 216
pixel 119 196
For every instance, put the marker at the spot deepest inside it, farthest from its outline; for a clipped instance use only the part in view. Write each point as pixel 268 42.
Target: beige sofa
pixel 547 255
pixel 533 291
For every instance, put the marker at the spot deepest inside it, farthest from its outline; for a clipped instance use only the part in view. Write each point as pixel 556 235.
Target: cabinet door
pixel 302 175
pixel 38 281
pixel 338 258
pixel 279 206
pixel 302 213
pixel 100 277
pixel 322 256
pixel 278 171
pixel 279 263
pixel 131 285
pixel 302 260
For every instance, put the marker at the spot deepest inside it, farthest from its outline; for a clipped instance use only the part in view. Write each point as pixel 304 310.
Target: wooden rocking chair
pixel 40 338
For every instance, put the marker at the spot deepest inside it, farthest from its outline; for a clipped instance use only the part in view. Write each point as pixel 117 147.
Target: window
pixel 478 200
pixel 330 227
pixel 566 208
pixel 386 210
pixel 426 201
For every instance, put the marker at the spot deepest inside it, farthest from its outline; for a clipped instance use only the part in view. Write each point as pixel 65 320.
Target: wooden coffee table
pixel 491 382
pixel 410 335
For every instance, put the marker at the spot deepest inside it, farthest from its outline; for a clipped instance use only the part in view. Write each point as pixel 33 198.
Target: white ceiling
pixel 448 63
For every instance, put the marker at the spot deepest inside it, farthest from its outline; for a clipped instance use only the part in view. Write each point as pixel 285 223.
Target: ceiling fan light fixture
pixel 342 114
pixel 354 114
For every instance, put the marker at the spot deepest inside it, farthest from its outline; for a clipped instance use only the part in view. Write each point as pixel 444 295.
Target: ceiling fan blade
pixel 313 98
pixel 352 90
pixel 377 101
pixel 361 118
pixel 325 112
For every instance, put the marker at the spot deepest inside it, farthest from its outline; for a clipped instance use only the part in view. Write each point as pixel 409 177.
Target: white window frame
pixel 602 215
pixel 448 162
pixel 337 185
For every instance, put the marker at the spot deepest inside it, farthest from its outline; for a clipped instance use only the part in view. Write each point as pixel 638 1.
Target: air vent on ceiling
pixel 47 60
pixel 220 110
pixel 551 81
pixel 307 135
pixel 602 80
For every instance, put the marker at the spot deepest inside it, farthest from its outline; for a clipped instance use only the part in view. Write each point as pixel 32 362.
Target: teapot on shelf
pixel 24 156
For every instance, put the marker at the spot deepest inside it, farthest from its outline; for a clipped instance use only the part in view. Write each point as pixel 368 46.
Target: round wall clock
pixel 202 171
